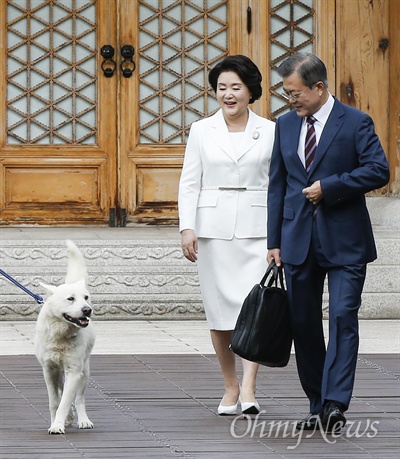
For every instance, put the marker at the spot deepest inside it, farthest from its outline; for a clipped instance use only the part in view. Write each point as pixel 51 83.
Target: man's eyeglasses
pixel 290 96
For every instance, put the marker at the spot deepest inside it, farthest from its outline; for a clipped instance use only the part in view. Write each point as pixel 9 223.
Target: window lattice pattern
pixel 51 71
pixel 179 41
pixel 292 30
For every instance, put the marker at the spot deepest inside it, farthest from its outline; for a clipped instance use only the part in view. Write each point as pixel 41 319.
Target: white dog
pixel 64 340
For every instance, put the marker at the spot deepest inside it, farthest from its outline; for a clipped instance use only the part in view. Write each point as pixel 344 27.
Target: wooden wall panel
pixel 362 60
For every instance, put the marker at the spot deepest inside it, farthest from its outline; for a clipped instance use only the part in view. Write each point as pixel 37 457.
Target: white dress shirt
pixel 321 117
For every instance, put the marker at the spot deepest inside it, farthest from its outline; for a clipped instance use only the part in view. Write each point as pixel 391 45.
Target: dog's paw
pixel 85 424
pixel 57 428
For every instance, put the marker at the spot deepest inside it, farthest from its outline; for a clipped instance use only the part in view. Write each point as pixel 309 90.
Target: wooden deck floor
pixel 162 406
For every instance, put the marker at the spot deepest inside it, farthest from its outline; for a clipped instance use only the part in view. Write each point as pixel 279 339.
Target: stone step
pixel 381 294
pixel 140 272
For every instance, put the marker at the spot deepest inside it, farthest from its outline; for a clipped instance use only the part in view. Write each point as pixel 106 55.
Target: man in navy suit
pixel 318 226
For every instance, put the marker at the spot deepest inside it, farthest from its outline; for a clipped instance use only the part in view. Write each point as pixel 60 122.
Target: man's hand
pixel 314 192
pixel 274 254
pixel 189 244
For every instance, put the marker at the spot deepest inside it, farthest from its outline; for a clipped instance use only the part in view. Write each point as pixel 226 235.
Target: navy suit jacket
pixel 349 162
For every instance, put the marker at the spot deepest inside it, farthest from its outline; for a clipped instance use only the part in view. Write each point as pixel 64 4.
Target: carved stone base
pixel 128 279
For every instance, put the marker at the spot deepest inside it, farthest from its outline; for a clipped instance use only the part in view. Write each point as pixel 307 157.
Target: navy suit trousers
pixel 326 373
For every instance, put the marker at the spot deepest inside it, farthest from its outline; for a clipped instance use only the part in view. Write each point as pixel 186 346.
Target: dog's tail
pixel 76 264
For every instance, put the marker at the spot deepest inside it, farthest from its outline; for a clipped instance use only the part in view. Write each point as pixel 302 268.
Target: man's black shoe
pixel 332 417
pixel 310 422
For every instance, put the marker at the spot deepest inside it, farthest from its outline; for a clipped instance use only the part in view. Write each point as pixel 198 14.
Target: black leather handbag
pixel 263 333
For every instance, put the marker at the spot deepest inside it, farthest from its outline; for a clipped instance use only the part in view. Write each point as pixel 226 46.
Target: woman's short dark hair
pixel 308 66
pixel 246 70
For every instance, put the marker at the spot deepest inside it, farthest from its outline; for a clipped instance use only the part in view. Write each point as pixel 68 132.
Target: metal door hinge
pixel 122 217
pixel 117 217
pixel 113 217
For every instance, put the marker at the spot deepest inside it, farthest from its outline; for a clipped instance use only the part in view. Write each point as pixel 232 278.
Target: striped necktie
pixel 311 142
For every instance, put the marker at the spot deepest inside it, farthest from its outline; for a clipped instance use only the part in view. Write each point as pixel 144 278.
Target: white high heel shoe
pixel 250 407
pixel 226 410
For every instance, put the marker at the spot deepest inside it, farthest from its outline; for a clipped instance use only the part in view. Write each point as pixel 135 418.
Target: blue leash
pixel 37 298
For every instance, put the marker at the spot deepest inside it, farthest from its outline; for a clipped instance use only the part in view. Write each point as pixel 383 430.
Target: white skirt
pixel 227 272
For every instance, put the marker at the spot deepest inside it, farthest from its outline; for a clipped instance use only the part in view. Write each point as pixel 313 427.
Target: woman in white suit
pixel 223 213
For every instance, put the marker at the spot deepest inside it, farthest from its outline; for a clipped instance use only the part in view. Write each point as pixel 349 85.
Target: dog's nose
pixel 87 311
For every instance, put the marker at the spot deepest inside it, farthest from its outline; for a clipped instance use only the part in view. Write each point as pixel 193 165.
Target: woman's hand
pixel 189 244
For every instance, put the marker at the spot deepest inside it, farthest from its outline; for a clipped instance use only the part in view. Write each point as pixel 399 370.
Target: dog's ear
pixel 50 289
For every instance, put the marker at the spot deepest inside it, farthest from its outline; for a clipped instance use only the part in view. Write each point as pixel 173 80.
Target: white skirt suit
pixel 223 198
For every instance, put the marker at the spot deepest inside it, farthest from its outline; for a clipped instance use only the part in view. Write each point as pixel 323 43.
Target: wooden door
pixel 58 143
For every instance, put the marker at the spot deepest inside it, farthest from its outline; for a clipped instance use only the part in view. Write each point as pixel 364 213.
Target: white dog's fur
pixel 64 340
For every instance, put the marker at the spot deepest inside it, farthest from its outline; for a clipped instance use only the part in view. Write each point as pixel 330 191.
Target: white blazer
pixel 210 164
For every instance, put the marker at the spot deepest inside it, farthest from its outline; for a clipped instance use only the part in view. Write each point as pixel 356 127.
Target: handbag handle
pixel 277 272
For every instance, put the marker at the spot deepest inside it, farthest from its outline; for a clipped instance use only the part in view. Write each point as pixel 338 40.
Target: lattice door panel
pixel 51 73
pixel 291 30
pixel 179 42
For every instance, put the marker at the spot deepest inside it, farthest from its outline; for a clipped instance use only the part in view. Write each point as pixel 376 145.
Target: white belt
pixel 235 188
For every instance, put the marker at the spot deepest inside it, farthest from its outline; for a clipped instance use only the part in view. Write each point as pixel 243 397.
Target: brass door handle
pixel 108 65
